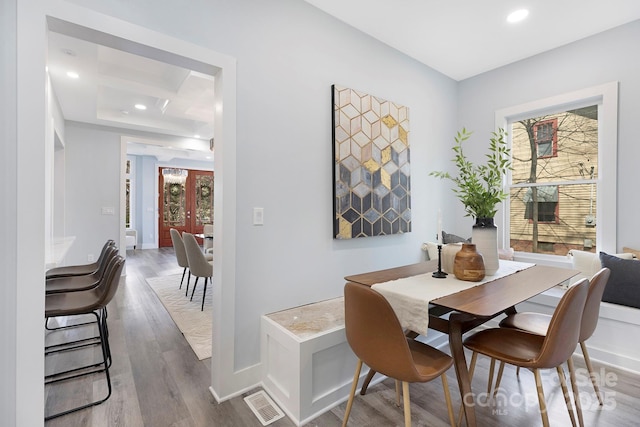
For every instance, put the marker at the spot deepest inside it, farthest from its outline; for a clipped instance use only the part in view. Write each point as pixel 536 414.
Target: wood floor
pixel 158 381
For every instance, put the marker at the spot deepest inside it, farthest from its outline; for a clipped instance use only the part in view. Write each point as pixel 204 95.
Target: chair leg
pixel 407 404
pixel 565 392
pixel 193 291
pixel 102 327
pixel 498 379
pixel 592 375
pixel 188 279
pixel 366 382
pixel 352 393
pixel 472 367
pixel 204 293
pixel 576 394
pixel 492 365
pixel 447 398
pixel 541 402
pixel 184 271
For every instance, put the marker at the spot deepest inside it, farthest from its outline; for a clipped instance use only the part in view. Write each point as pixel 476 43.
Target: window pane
pixel 565 219
pixel 575 155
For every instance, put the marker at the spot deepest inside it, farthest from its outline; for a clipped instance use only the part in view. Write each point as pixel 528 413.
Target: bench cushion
pixel 623 286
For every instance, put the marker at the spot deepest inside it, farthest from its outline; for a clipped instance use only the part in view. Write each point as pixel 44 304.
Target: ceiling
pixel 459 38
pixel 463 38
pixel 111 82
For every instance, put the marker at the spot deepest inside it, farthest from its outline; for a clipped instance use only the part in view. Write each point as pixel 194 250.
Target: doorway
pixel 185 202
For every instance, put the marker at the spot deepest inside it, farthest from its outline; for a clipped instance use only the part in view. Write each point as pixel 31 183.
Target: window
pixel 129 192
pixel 546 138
pixel 562 187
pixel 546 200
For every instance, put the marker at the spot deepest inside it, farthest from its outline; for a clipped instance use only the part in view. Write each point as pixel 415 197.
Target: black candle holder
pixel 439 274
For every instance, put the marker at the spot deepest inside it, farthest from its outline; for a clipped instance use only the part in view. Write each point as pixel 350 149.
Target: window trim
pixel 605 96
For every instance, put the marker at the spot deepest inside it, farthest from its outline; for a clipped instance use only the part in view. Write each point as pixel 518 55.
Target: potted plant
pixel 480 189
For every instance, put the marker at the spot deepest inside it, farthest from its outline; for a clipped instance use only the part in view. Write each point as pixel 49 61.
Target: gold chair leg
pixel 492 365
pixel 541 402
pixel 407 404
pixel 592 375
pixel 565 392
pixel 398 393
pixel 472 367
pixel 576 394
pixel 447 398
pixel 356 376
pixel 498 379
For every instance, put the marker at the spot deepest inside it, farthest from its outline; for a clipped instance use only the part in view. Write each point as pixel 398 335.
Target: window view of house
pixel 553 183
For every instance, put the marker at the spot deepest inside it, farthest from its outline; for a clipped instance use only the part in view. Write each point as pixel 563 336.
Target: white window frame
pixel 131 176
pixel 605 96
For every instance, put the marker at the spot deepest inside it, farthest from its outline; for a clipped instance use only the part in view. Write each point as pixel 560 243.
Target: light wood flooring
pixel 158 381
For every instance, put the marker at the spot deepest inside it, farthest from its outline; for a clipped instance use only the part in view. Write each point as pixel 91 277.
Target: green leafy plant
pixel 479 187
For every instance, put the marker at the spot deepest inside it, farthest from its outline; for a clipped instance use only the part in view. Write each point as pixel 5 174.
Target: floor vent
pixel 264 408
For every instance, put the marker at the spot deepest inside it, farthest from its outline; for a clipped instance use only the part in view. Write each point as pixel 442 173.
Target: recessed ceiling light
pixel 196 136
pixel 517 16
pixel 72 75
pixel 140 106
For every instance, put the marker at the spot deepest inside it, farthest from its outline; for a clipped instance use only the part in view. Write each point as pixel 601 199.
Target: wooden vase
pixel 468 264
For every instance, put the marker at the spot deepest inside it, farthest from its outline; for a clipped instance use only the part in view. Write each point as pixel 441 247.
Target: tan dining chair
pixel 207 241
pixel 536 352
pixel 378 340
pixel 199 266
pixel 538 323
pixel 181 256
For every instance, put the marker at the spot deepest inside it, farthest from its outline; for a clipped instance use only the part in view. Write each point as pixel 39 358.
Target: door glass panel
pixel 174 205
pixel 204 199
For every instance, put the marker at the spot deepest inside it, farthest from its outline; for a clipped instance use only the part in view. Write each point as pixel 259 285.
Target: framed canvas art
pixel 371 168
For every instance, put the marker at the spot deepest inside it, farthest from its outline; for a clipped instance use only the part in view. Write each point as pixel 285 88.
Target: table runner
pixel 409 297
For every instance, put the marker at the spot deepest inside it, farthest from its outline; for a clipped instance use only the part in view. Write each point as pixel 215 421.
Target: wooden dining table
pixel 470 308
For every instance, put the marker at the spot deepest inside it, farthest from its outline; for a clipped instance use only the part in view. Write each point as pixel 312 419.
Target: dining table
pixel 465 307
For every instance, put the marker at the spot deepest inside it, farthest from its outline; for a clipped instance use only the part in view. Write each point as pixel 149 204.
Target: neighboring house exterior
pixel 559 154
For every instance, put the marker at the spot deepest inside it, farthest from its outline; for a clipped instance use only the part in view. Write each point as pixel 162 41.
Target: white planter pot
pixel 485 236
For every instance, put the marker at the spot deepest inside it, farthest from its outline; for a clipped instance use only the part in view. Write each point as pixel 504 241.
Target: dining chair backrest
pixel 198 264
pixel 564 328
pixel 178 247
pixel 592 307
pixel 375 334
pixel 110 253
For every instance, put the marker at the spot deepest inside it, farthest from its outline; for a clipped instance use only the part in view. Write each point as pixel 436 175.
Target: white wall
pixel 93 185
pixel 22 183
pixel 606 57
pixel 288 55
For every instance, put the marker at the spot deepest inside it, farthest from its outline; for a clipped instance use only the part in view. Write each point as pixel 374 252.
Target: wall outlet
pixel 258 216
pixel 90 258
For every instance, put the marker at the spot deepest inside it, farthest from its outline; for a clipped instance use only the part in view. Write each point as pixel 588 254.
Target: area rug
pixel 195 325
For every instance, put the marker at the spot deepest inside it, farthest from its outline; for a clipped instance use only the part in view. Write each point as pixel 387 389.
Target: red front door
pixel 186 206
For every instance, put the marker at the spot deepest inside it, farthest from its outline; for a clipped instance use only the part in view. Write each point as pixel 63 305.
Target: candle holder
pixel 439 274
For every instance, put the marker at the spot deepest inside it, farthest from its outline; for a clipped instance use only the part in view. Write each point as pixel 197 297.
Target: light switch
pixel 108 211
pixel 258 216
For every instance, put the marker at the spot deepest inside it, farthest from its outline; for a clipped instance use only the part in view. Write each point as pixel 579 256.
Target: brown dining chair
pixel 535 352
pixel 538 323
pixel 81 282
pixel 378 340
pixel 80 269
pixel 94 302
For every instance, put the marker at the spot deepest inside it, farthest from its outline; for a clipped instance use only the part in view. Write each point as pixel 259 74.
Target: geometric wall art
pixel 371 168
